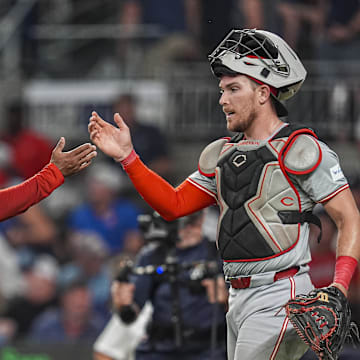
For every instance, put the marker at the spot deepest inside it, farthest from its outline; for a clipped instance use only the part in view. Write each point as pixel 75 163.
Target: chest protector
pixel 260 208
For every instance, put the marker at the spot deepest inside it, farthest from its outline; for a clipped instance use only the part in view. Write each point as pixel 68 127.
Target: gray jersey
pixel 317 187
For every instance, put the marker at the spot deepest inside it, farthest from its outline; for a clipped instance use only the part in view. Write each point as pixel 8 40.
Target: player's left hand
pixel 73 161
pixel 323 320
pixel 114 141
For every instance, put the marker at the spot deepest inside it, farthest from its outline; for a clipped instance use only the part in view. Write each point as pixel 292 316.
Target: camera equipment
pixel 204 270
pixel 155 228
pixel 168 268
pixel 127 313
pixel 200 271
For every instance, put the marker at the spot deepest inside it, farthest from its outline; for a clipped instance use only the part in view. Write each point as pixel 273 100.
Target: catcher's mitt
pixel 323 320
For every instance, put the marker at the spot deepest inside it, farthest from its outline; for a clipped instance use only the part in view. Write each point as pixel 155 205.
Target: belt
pixel 244 282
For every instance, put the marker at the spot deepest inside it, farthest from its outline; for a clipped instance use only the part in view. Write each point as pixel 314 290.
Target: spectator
pixel 89 261
pixel 118 340
pixel 340 38
pixel 337 55
pixel 105 212
pixel 301 22
pixel 39 295
pixel 188 320
pixel 210 221
pixel 74 321
pixel 12 282
pixel 31 233
pixel 30 150
pixel 217 20
pixel 6 171
pixel 176 25
pixel 148 139
pixel 187 24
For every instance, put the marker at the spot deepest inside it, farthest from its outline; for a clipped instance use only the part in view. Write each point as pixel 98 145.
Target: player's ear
pixel 263 92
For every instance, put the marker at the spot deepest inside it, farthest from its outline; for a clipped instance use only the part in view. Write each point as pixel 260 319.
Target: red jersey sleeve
pixel 168 201
pixel 16 199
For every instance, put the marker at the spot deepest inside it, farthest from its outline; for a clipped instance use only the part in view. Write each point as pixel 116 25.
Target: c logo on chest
pixel 287 201
pixel 239 160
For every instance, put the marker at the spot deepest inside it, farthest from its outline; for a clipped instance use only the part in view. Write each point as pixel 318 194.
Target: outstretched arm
pixel 73 161
pixel 168 201
pixel 343 210
pixel 16 199
pixel 171 203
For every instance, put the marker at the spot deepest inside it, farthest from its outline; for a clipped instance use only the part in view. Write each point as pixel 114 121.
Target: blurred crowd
pixel 132 39
pixel 152 33
pixel 58 259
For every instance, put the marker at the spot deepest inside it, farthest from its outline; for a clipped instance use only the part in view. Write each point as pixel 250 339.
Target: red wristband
pixel 129 159
pixel 344 270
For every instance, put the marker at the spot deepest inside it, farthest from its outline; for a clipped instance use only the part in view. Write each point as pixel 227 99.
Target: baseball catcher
pixel 323 320
pixel 266 180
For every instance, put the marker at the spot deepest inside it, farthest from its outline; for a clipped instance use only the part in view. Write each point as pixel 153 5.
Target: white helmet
pixel 264 57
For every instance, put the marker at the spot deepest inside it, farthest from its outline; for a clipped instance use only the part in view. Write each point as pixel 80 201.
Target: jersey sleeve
pixel 16 199
pixel 168 201
pixel 326 180
pixel 204 183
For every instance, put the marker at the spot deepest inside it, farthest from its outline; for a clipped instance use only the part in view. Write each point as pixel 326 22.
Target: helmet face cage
pixel 238 41
pixel 263 56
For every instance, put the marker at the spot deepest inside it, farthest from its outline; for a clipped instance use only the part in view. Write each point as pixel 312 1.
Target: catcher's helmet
pixel 265 58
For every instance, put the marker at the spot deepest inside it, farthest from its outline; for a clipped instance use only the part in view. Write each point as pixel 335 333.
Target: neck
pixel 263 127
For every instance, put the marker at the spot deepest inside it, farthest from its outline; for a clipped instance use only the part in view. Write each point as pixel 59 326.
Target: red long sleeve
pixel 168 201
pixel 16 199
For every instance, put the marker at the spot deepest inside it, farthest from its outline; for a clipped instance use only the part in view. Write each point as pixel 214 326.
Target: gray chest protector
pixel 260 209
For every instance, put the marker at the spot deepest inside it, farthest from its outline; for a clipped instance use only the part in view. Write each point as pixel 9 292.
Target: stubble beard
pixel 245 124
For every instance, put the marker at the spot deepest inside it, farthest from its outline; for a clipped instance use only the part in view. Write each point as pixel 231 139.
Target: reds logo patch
pixel 287 201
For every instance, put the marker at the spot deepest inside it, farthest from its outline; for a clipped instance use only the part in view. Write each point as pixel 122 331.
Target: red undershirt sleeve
pixel 16 199
pixel 168 201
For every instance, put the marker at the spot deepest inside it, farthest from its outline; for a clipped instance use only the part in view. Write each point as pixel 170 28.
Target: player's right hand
pixel 113 141
pixel 73 161
pixel 122 294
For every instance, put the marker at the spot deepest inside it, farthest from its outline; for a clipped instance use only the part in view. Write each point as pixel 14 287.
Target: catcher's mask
pixel 265 58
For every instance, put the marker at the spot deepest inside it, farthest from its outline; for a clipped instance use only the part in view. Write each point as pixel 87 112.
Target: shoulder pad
pixel 209 157
pixel 303 155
